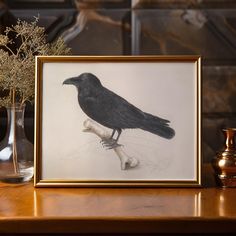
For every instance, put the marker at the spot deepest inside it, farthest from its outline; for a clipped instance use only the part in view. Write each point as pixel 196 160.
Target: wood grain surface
pixel 25 209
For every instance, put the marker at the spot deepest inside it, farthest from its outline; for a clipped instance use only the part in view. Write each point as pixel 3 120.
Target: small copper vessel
pixel 224 163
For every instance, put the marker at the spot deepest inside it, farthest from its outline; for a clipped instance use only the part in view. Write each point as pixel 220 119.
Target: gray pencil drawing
pixel 114 112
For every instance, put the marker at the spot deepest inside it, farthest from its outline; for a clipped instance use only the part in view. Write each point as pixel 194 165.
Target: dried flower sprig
pixel 17 67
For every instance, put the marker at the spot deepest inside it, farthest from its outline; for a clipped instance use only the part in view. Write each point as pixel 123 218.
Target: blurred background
pixel 146 27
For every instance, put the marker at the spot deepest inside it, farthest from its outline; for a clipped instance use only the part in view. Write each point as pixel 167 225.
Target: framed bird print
pixel 118 121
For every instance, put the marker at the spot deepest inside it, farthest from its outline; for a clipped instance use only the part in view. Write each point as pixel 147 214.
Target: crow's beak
pixel 69 81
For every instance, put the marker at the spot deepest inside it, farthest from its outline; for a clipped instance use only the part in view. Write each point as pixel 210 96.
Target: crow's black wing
pixel 125 115
pixel 111 110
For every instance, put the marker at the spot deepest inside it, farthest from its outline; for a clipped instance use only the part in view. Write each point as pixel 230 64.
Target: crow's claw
pixel 112 146
pixel 109 143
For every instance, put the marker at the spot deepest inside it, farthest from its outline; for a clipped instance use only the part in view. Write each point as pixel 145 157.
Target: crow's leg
pixel 119 133
pixel 113 132
pixel 111 143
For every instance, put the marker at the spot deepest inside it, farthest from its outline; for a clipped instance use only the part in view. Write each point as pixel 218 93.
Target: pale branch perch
pixel 126 160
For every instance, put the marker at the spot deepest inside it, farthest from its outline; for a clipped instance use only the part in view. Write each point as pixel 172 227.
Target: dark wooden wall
pixel 145 27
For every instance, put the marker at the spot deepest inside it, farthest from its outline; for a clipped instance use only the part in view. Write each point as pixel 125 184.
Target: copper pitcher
pixel 224 163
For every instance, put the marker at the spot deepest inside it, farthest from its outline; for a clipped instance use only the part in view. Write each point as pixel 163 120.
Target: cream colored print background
pixel 163 89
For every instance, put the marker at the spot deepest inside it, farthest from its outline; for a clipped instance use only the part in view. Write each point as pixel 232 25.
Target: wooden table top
pixel 25 209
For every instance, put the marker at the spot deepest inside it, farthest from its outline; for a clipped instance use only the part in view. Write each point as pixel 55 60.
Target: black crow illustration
pixel 113 111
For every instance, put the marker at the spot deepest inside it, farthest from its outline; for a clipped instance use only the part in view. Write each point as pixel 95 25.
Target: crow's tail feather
pixel 157 126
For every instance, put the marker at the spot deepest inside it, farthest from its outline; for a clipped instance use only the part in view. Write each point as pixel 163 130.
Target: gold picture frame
pixel 155 101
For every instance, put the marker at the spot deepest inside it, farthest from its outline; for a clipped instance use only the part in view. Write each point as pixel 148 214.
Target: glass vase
pixel 16 152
